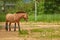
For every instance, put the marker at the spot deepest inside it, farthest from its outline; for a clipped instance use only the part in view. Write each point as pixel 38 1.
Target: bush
pixel 52 7
pixel 2 17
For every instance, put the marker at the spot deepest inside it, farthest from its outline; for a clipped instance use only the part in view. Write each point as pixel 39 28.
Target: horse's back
pixel 9 14
pixel 10 17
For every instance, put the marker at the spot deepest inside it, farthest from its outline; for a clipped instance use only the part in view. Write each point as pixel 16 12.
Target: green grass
pixel 23 32
pixel 47 32
pixel 46 18
pixel 43 33
pixel 43 30
pixel 41 18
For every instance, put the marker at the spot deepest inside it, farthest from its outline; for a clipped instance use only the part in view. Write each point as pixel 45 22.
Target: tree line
pixel 43 6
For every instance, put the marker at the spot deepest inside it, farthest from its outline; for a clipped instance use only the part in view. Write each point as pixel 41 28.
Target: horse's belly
pixel 12 21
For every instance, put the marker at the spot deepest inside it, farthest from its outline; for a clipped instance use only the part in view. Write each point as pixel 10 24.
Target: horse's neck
pixel 19 15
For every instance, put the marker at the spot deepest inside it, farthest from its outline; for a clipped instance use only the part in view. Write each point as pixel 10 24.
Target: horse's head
pixel 25 17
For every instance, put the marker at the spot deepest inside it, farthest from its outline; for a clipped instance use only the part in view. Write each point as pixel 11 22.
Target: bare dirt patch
pixel 6 35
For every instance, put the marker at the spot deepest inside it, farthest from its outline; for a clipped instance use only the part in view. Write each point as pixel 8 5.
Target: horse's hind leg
pixel 9 26
pixel 6 27
pixel 15 27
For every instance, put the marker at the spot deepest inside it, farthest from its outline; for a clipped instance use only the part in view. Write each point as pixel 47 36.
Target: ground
pixel 6 35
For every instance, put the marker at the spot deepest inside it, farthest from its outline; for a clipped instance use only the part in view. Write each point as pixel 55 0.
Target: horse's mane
pixel 20 12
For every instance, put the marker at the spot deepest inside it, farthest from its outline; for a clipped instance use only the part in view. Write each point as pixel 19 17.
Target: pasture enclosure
pixel 43 19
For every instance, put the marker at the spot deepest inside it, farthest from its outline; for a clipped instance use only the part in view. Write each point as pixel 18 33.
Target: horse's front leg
pixel 6 27
pixel 9 26
pixel 15 27
pixel 19 26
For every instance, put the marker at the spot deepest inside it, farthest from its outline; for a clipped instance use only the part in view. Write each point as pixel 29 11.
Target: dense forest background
pixel 44 8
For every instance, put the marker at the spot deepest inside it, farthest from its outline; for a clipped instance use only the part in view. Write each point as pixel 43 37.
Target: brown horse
pixel 15 18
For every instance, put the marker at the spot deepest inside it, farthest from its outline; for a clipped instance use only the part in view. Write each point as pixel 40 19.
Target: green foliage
pixel 52 7
pixel 40 7
pixel 45 9
pixel 22 6
pixel 2 17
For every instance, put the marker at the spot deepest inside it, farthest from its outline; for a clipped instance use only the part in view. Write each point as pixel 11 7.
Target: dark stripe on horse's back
pixel 20 12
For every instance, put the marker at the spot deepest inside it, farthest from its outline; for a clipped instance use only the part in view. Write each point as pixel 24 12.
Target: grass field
pixel 42 33
pixel 46 18
pixel 41 18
